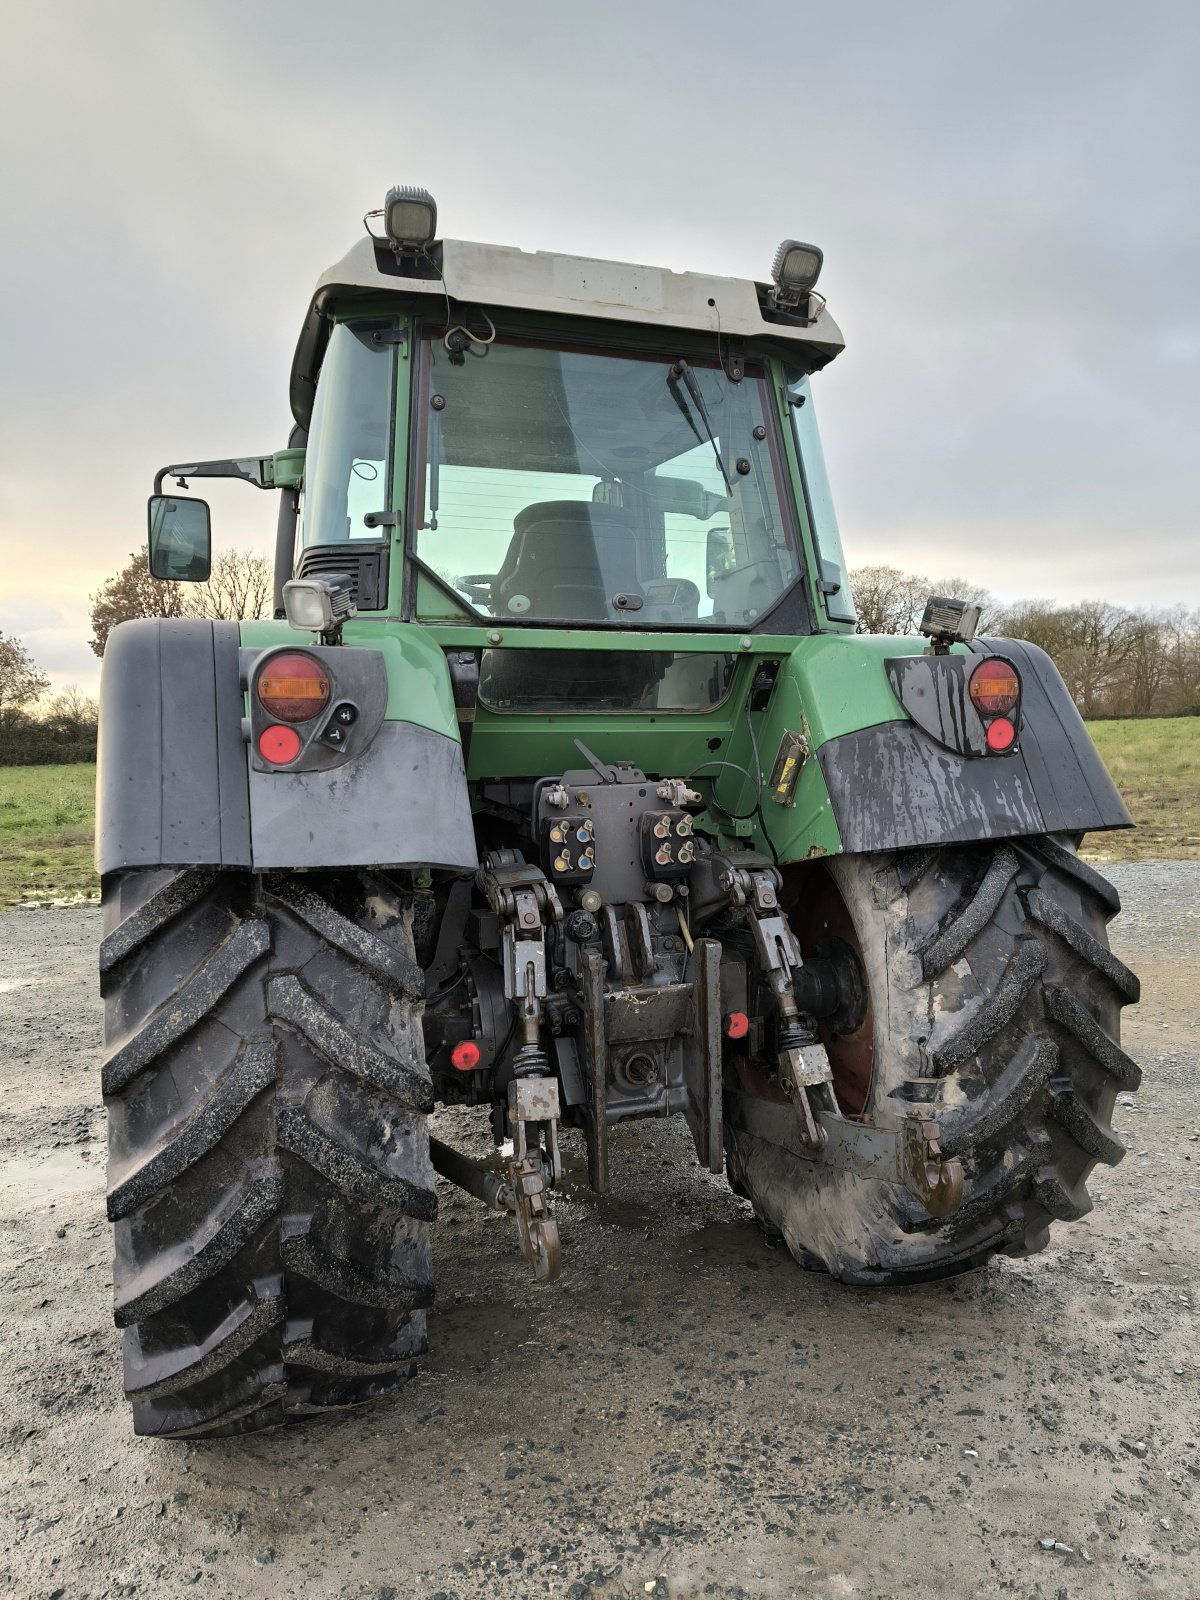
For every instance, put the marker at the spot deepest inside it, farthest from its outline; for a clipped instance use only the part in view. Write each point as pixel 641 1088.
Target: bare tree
pixel 1093 661
pixel 1181 636
pixel 70 713
pixel 1145 664
pixel 888 600
pixel 21 683
pixel 241 585
pixel 132 592
pixel 974 594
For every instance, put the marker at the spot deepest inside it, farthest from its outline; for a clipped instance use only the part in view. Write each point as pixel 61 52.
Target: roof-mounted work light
pixel 409 217
pixel 795 269
pixel 948 621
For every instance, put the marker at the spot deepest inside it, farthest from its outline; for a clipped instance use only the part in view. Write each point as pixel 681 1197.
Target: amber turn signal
pixel 994 688
pixel 293 687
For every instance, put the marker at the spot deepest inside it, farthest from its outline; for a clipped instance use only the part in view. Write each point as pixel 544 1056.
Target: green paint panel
pixel 418 678
pixel 287 468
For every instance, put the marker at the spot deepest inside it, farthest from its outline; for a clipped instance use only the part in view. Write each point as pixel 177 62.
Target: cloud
pixel 1005 194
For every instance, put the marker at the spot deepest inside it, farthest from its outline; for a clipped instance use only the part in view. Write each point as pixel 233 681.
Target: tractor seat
pixel 567 558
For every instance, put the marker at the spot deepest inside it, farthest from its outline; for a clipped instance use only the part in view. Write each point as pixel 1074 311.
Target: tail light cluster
pixel 291 687
pixel 995 691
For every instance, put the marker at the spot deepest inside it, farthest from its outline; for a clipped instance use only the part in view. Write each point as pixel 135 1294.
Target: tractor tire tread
pixel 254 1070
pixel 270 1186
pixel 186 1009
pixel 1010 1043
pixel 970 917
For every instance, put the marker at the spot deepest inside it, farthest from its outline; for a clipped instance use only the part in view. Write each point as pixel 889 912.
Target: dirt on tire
pixel 995 1007
pixel 270 1187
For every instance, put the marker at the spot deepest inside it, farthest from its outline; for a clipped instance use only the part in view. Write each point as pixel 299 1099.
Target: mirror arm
pixel 250 469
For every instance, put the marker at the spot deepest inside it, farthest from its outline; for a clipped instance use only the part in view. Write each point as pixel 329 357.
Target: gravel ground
pixel 684 1414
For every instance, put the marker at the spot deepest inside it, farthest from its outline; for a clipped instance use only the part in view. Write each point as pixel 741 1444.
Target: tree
pixel 21 683
pixel 1040 622
pixel 973 594
pixel 132 592
pixel 1181 632
pixel 888 600
pixel 241 585
pixel 1146 664
pixel 71 716
pixel 1098 647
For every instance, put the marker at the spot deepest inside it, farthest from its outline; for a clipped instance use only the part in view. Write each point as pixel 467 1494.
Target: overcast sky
pixel 1006 194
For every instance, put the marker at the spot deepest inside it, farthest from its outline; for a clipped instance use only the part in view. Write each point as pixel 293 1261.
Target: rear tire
pixel 997 1003
pixel 269 1178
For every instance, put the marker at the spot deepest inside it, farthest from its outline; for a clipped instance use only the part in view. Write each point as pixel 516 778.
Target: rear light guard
pixel 312 709
pixel 994 687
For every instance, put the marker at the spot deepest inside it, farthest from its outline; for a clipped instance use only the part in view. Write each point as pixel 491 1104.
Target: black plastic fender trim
pixel 171 780
pixel 893 786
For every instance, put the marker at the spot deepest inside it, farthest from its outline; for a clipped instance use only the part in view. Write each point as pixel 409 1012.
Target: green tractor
pixel 563 784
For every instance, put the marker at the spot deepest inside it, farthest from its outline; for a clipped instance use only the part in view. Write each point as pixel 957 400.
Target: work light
pixel 319 605
pixel 795 269
pixel 409 217
pixel 948 621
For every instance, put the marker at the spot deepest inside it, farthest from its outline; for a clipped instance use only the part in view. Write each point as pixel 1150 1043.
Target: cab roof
pixel 501 277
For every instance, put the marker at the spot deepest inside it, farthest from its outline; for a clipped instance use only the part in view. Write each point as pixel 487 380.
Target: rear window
pixel 603 680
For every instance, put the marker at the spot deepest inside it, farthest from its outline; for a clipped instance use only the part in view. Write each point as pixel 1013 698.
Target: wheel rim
pixel 819 915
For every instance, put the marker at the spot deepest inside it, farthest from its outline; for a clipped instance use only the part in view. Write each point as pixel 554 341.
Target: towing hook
pixel 521 1192
pixel 936 1180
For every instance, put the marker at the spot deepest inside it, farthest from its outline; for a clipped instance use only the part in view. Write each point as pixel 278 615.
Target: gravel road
pixel 684 1414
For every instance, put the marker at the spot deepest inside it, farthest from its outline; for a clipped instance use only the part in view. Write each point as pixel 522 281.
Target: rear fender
pixel 179 783
pixel 897 757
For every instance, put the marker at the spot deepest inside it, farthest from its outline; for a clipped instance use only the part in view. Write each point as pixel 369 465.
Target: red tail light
pixel 465 1055
pixel 293 687
pixel 279 745
pixel 994 688
pixel 1000 735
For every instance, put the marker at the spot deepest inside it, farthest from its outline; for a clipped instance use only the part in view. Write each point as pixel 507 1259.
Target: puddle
pixel 62 1172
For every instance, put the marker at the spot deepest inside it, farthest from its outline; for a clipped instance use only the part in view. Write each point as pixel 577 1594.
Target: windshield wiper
pixel 681 369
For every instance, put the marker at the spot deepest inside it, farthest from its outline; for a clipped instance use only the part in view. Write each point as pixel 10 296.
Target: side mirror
pixel 719 557
pixel 687 498
pixel 180 539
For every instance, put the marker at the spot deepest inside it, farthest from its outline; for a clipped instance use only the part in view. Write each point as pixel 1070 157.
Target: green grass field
pixel 46 812
pixel 1155 763
pixel 46 832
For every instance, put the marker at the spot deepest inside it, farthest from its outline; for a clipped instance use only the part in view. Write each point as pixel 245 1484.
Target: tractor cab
pixel 548 441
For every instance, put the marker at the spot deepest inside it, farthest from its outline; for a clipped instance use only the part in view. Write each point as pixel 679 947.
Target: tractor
pixel 563 783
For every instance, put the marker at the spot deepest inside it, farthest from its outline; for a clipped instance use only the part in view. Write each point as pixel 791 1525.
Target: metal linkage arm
pixel 803 1068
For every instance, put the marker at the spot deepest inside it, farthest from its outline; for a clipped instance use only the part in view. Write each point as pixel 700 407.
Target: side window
pixel 345 469
pixel 839 604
